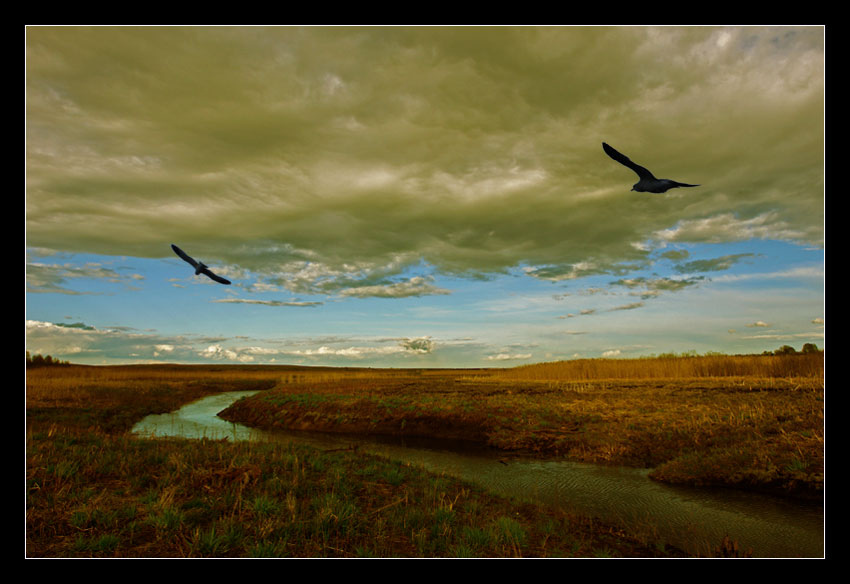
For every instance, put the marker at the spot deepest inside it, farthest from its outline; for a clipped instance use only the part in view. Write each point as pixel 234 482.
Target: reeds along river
pixel 694 519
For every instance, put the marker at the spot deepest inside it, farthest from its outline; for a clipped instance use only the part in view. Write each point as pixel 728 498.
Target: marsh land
pixel 95 489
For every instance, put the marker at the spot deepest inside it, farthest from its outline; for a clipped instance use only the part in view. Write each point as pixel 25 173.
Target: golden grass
pixel 745 431
pixel 749 421
pixel 114 398
pixel 94 490
pixel 803 365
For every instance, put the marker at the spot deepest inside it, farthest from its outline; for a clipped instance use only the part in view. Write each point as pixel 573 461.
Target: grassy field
pixel 95 490
pixel 744 431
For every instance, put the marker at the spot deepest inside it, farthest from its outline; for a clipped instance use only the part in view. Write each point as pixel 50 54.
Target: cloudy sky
pixel 421 196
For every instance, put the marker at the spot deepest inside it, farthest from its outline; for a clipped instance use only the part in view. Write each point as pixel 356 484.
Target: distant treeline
pixel 789 350
pixel 783 363
pixel 43 361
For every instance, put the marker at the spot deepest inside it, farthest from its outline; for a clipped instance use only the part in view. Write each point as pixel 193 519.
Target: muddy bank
pixel 690 435
pixel 684 517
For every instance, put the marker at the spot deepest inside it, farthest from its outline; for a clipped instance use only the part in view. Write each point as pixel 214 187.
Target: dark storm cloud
pixel 341 156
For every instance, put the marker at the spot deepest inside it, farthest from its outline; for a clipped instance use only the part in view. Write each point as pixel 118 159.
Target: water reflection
pixel 199 419
pixel 693 519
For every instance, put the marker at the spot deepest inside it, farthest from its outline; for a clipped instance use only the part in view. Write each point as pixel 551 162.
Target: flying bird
pixel 647 183
pixel 200 268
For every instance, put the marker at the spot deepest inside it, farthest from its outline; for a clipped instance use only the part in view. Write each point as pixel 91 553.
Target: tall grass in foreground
pixel 666 367
pixel 91 494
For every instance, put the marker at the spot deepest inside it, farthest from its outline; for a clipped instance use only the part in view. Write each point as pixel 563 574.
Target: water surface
pixel 693 519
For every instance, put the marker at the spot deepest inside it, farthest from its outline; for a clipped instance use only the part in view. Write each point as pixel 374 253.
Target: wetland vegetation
pixel 94 489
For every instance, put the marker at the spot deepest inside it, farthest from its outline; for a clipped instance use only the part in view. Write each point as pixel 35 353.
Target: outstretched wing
pixel 215 277
pixel 204 270
pixel 184 255
pixel 624 160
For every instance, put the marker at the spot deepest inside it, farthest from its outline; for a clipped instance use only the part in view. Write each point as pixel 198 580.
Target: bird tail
pixel 678 184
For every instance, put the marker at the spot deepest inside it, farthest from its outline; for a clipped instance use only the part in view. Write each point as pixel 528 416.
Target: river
pixel 691 518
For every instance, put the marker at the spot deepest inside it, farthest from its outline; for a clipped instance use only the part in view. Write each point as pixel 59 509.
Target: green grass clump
pixel 207 498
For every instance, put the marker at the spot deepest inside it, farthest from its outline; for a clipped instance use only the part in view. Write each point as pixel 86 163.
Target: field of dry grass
pixel 745 429
pixel 743 421
pixel 760 367
pixel 115 398
pixel 94 490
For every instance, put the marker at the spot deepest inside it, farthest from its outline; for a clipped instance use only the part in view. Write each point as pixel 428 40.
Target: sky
pixel 421 196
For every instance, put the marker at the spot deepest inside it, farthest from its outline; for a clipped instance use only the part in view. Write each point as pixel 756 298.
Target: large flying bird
pixel 647 183
pixel 200 268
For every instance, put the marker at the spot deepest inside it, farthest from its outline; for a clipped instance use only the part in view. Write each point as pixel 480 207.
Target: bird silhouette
pixel 647 183
pixel 200 268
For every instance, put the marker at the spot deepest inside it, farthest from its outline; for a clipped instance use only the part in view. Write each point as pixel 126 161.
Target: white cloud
pixel 90 343
pixel 800 272
pixel 415 286
pixel 509 357
pixel 294 303
pixel 420 345
pixel 217 352
pixel 630 306
pixel 785 336
pixel 54 278
pixel 725 227
pixel 559 273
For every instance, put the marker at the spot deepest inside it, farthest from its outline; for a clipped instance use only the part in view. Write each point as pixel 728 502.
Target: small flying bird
pixel 647 183
pixel 200 268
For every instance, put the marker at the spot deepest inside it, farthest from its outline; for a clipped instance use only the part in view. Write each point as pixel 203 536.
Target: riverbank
pixel 96 495
pixel 741 432
pixel 95 490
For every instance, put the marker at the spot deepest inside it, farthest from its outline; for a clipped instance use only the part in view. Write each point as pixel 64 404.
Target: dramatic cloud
pixel 413 186
pixel 334 158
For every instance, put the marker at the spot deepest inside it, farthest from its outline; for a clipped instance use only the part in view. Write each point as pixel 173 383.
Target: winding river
pixel 690 518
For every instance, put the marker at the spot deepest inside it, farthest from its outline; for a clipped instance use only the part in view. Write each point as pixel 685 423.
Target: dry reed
pixel 800 365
